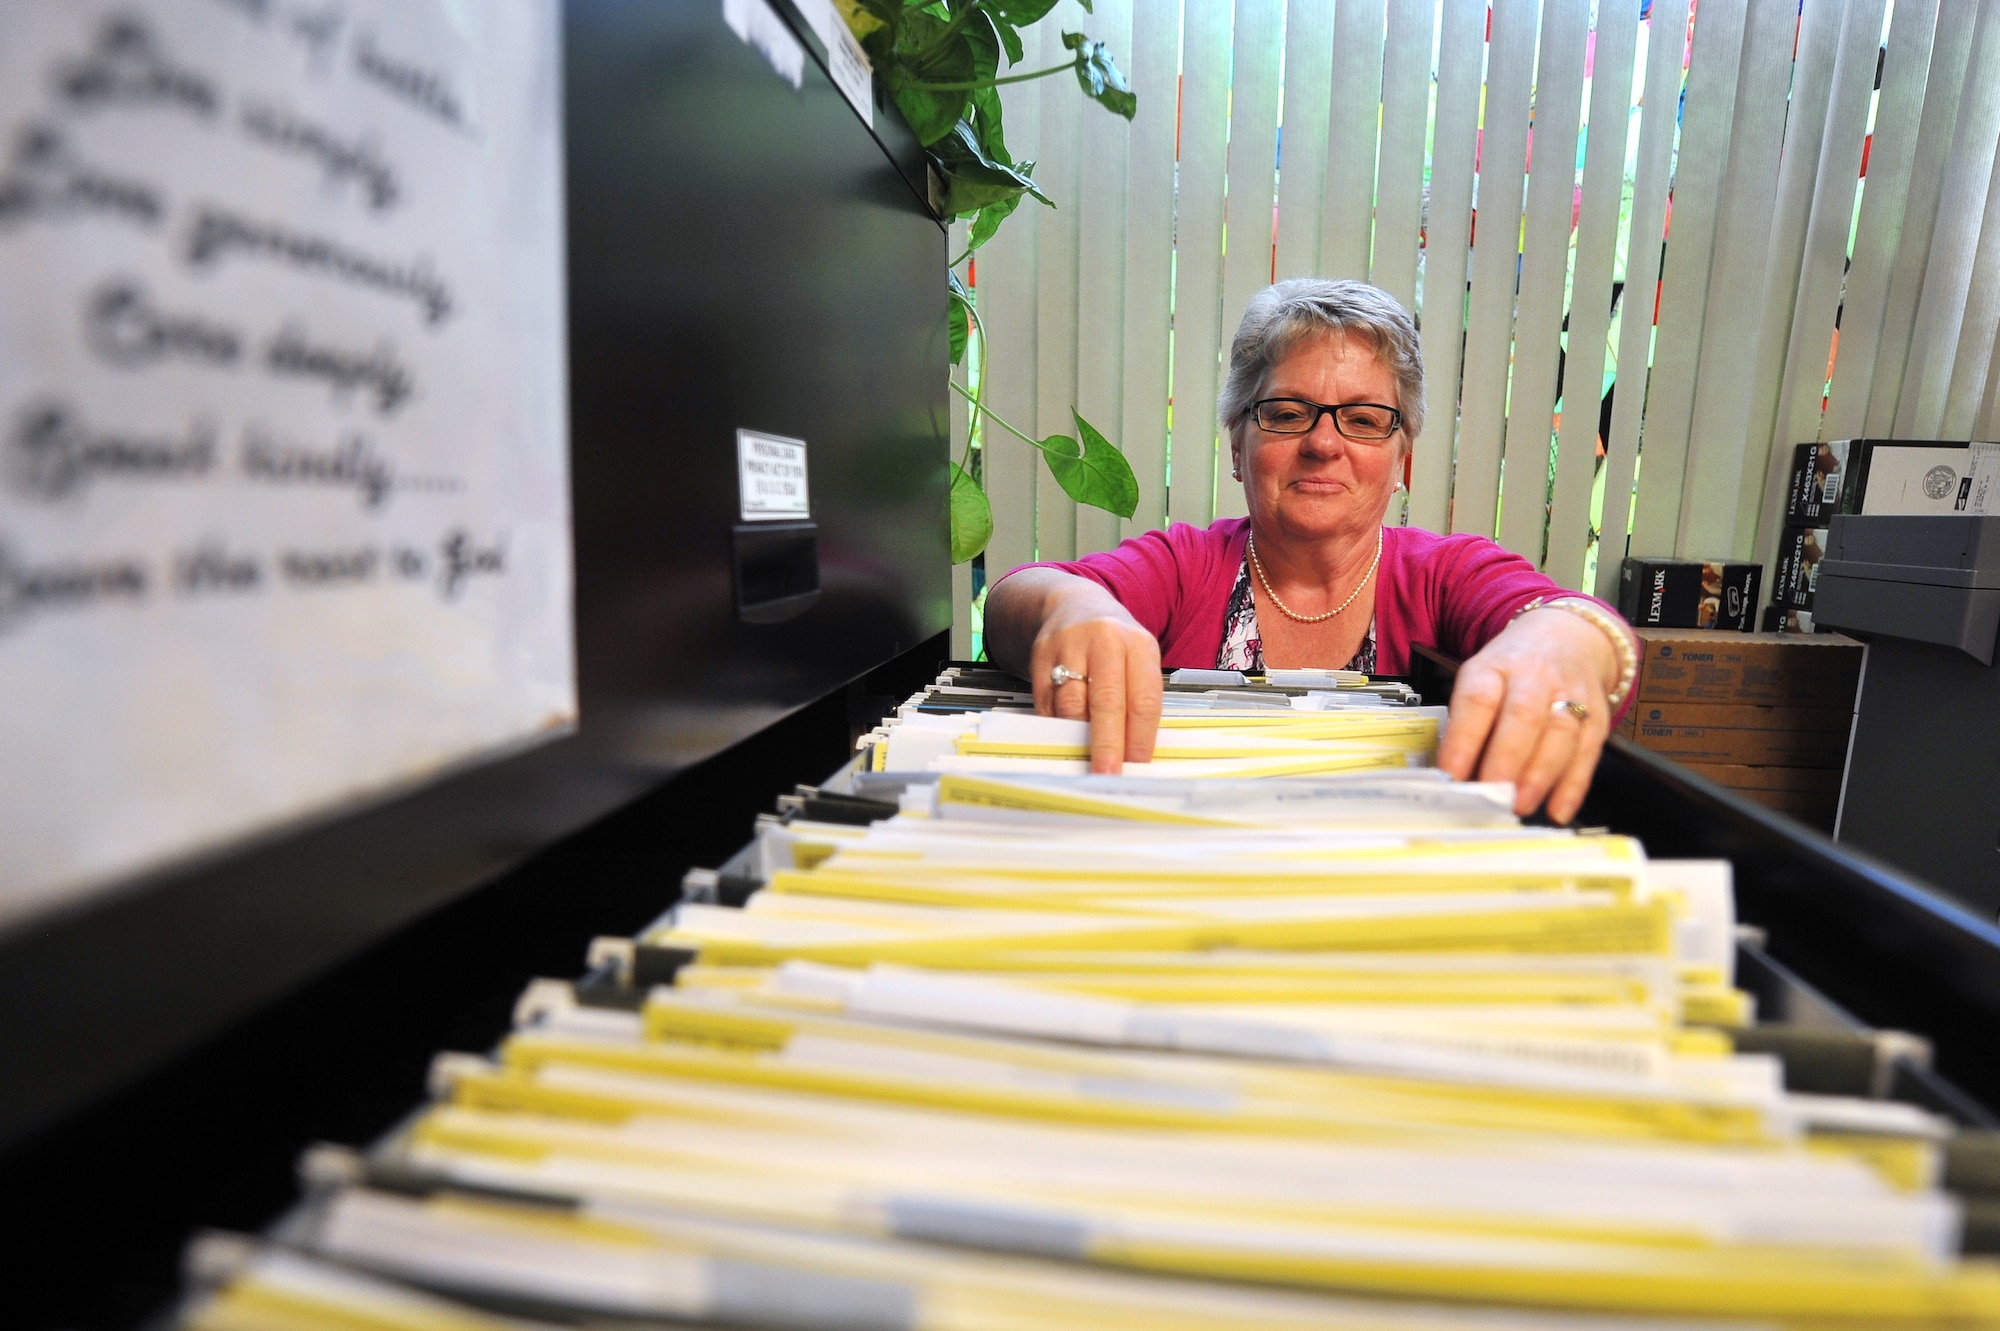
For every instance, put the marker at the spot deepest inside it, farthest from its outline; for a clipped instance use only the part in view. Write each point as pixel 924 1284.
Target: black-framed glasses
pixel 1365 421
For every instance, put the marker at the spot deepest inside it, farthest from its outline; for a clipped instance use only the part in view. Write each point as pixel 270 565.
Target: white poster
pixel 284 515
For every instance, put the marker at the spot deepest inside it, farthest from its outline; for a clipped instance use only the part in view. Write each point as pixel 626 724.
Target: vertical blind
pixel 1651 244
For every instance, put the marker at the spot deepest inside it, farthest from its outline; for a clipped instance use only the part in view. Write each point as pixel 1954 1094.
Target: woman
pixel 1323 401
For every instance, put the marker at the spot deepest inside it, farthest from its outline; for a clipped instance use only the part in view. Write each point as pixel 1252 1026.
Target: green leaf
pixel 1009 39
pixel 1099 74
pixel 931 114
pixel 989 220
pixel 961 320
pixel 926 43
pixel 874 22
pixel 986 125
pixel 1096 474
pixel 1021 13
pixel 972 179
pixel 965 193
pixel 984 43
pixel 971 516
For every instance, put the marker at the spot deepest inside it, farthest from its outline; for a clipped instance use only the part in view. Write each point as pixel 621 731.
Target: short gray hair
pixel 1282 316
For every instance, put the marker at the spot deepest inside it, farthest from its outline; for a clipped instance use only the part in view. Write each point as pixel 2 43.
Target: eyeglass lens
pixel 1356 420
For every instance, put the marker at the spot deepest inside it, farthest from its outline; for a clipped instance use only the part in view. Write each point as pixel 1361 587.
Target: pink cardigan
pixel 1454 593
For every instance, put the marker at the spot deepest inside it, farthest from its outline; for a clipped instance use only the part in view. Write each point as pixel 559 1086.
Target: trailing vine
pixel 940 59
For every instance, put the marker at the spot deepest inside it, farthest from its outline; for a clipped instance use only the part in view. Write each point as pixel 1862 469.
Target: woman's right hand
pixel 1080 626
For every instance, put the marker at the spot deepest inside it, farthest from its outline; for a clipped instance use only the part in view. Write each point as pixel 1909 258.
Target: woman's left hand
pixel 1507 715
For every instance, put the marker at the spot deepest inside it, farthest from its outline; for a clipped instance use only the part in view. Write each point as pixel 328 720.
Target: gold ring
pixel 1062 675
pixel 1575 709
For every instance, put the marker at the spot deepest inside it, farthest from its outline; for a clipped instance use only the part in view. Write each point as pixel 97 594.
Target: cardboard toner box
pixel 1779 619
pixel 1739 716
pixel 1689 593
pixel 1813 495
pixel 1744 746
pixel 1766 669
pixel 1799 551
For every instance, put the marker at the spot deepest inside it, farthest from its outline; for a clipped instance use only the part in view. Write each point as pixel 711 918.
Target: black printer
pixel 1922 788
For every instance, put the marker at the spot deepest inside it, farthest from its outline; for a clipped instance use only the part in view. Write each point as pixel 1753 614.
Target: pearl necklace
pixel 1366 578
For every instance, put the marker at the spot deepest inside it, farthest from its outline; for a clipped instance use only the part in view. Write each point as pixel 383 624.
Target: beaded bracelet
pixel 1621 639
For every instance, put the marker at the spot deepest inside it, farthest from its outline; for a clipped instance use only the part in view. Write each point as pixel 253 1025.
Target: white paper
pixel 1314 677
pixel 1191 675
pixel 771 477
pixel 846 63
pixel 1914 480
pixel 284 516
pixel 1982 495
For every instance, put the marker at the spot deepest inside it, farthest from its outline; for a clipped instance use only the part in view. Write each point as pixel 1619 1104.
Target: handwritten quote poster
pixel 284 518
